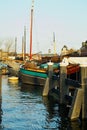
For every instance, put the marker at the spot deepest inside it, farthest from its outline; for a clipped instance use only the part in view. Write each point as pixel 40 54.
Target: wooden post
pixel 50 73
pixel 48 84
pixel 75 109
pixel 0 76
pixel 0 95
pixel 83 81
pixel 0 82
pixel 63 87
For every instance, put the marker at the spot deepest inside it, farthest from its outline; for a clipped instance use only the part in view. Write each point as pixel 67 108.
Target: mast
pixel 54 43
pixel 23 54
pixel 31 25
pixel 24 40
pixel 15 46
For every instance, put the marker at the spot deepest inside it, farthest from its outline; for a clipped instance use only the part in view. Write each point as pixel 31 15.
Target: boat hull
pixel 32 77
pixel 71 69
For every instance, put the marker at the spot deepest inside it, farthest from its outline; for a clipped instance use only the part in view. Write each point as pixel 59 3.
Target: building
pixel 83 49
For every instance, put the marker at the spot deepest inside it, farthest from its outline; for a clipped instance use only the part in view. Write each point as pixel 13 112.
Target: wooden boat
pixel 33 76
pixel 30 72
pixel 13 67
pixel 72 65
pixel 12 71
pixel 71 69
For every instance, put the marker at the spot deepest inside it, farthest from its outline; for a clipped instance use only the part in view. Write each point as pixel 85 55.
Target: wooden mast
pixel 31 25
pixel 23 54
pixel 15 46
pixel 24 40
pixel 54 43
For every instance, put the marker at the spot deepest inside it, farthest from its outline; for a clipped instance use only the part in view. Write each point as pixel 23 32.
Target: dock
pixel 76 100
pixel 69 91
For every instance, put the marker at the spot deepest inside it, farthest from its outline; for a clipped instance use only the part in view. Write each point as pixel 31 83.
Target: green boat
pixel 33 76
pixel 45 65
pixel 29 73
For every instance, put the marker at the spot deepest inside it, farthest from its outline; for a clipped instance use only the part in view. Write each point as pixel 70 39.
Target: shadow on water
pixel 66 123
pixel 50 105
pixel 60 112
pixel 31 89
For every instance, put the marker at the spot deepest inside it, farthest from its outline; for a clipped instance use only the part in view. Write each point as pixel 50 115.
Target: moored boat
pixel 72 65
pixel 13 66
pixel 33 76
pixel 71 69
pixel 31 72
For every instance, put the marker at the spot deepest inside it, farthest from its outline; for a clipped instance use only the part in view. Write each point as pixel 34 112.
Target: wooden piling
pixel 0 78
pixel 63 87
pixel 0 82
pixel 80 96
pixel 48 83
pixel 75 109
pixel 1 95
pixel 46 88
pixel 83 81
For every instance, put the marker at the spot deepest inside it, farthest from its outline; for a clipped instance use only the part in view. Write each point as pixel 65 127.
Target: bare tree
pixel 1 42
pixel 8 43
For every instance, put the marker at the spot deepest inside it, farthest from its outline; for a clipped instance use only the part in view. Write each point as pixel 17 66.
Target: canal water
pixel 22 107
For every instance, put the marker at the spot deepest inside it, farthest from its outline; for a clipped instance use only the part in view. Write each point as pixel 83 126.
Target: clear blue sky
pixel 67 18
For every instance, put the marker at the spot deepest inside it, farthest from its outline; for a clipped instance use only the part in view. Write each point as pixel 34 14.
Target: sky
pixel 66 18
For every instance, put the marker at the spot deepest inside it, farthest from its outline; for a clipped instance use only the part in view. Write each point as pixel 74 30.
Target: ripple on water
pixel 24 108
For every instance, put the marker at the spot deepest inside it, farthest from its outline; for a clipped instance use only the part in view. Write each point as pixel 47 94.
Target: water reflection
pixel 52 118
pixel 37 90
pixel 25 108
pixel 13 84
pixel 49 111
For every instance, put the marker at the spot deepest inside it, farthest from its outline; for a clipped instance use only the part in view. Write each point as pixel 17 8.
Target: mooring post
pixel 83 81
pixel 0 77
pixel 63 87
pixel 75 109
pixel 48 83
pixel 0 95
